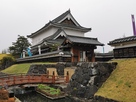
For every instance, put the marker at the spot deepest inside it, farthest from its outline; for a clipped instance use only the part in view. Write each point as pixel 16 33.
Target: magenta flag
pixel 133 24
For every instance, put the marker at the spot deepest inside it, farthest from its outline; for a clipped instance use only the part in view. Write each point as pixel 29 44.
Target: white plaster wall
pixel 125 45
pixel 43 35
pixel 74 32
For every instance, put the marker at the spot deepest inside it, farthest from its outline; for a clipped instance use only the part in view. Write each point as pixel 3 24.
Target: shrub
pixel 7 61
pixel 49 90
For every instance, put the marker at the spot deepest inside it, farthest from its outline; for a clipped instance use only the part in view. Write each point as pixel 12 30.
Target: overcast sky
pixel 109 19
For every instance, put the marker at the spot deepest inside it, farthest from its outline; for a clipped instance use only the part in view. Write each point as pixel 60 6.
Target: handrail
pixel 17 79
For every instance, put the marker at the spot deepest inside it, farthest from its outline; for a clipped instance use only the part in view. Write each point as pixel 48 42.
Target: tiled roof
pixel 73 39
pixel 54 35
pixel 49 38
pixel 76 39
pixel 121 40
pixel 71 27
pixel 56 24
pixel 61 16
pixel 84 40
pixel 40 30
pixel 45 55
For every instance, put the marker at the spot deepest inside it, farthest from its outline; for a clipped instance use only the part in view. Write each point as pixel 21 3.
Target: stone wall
pixel 62 65
pixel 88 78
pixel 39 68
pixel 42 68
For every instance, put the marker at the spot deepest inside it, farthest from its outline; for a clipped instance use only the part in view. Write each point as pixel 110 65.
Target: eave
pixel 83 29
pixel 122 40
pixel 51 24
pixel 48 25
pixel 82 40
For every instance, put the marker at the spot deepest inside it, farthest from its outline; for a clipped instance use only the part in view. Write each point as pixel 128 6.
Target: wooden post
pixel 78 56
pixel 21 78
pixel 14 80
pixel 53 78
pixel 92 56
pixel 72 57
pixel 47 73
pixel 42 78
pixel 28 78
pixel 67 77
pixel 2 81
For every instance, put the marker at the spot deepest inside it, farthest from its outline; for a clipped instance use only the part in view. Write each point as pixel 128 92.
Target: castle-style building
pixel 124 47
pixel 62 39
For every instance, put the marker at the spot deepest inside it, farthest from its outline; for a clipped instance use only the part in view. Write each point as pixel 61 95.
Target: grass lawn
pixel 21 68
pixel 17 68
pixel 121 85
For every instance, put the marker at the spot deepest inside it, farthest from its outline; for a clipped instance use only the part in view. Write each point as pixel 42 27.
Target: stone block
pixel 95 71
pixel 90 91
pixel 84 65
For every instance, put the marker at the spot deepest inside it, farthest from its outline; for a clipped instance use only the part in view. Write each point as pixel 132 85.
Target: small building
pixel 62 39
pixel 124 47
pixel 101 57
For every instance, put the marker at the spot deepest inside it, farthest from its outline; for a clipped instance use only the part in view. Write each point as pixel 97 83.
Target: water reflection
pixel 36 97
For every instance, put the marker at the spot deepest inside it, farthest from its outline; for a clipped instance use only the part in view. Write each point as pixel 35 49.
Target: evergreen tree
pixel 17 47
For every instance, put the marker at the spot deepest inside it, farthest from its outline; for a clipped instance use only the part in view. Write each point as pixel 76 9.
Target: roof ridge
pixel 124 38
pixel 120 40
pixel 61 16
pixel 83 37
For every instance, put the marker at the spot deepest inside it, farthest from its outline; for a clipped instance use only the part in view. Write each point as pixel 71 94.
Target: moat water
pixel 36 97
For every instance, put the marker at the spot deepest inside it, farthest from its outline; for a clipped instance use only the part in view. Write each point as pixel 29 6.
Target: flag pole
pixel 133 25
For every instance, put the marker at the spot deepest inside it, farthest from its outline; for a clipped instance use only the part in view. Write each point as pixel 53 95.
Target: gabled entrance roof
pixel 84 40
